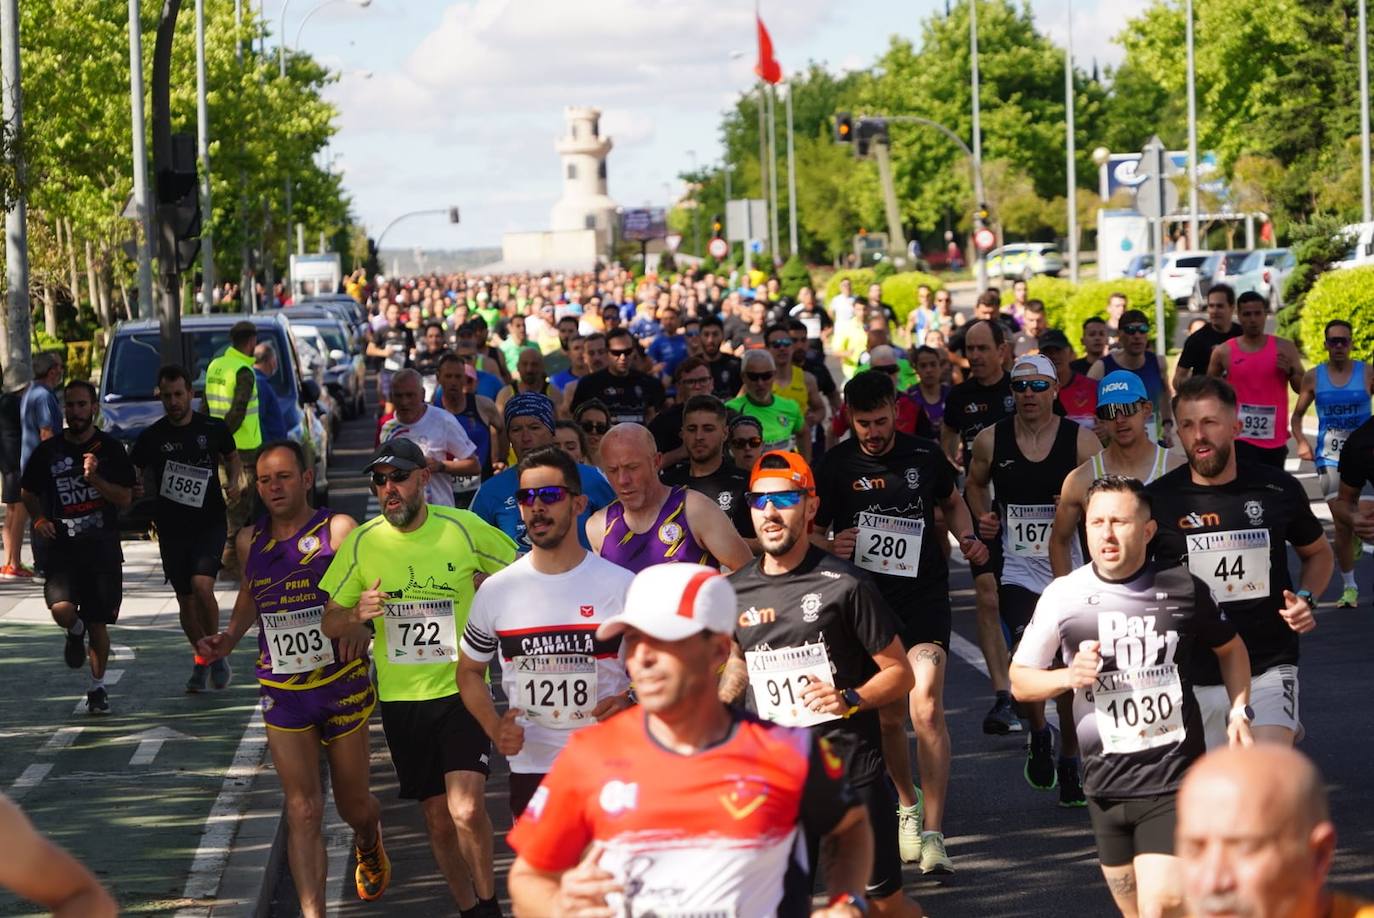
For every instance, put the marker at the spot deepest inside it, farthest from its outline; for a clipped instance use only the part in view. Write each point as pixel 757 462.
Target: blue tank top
pixel 1340 409
pixel 668 539
pixel 478 432
pixel 1154 385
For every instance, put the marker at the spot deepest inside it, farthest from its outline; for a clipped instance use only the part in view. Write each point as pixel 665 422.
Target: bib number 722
pixel 419 634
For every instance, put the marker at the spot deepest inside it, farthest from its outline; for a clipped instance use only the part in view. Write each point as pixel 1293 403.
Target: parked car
pixel 1264 271
pixel 1219 268
pixel 129 404
pixel 341 363
pixel 1025 260
pixel 1180 270
pixel 1140 266
pixel 1361 250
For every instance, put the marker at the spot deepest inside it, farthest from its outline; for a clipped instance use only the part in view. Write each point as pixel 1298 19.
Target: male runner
pixel 1077 392
pixel 688 806
pixel 652 523
pixel 1129 628
pixel 538 620
pixel 1341 388
pixel 816 646
pixel 74 487
pixel 726 373
pixel 1018 469
pixel 412 572
pixel 530 376
pixel 1123 413
pixel 478 417
pixel 977 403
pixel 1095 336
pixel 707 469
pixel 1220 328
pixel 1135 355
pixel 931 392
pixel 437 432
pixel 632 396
pixel 315 692
pixel 529 425
pixel 784 424
pixel 1260 368
pixel 1228 519
pixel 879 491
pixel 791 380
pixel 180 454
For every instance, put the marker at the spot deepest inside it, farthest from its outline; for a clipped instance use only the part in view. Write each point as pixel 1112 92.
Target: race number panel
pixel 778 678
pixel 1139 709
pixel 555 690
pixel 296 642
pixel 1258 422
pixel 421 631
pixel 185 484
pixel 1334 443
pixel 1234 563
pixel 1028 529
pixel 889 544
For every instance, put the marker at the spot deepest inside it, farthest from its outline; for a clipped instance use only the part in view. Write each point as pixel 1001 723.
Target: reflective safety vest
pixel 220 378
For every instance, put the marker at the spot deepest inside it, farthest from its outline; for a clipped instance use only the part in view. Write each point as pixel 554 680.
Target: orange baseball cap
pixel 796 470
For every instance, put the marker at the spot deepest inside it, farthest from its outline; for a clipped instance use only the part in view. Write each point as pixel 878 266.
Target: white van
pixel 1361 250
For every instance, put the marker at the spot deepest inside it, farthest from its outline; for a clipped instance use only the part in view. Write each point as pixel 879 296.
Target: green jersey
pixel 427 576
pixel 782 420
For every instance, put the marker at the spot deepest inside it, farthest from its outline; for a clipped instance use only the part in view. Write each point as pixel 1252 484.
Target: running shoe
pixel 1002 719
pixel 200 679
pixel 485 908
pixel 74 651
pixel 373 874
pixel 1040 760
pixel 1350 598
pixel 10 572
pixel 910 820
pixel 98 701
pixel 1070 785
pixel 934 859
pixel 220 674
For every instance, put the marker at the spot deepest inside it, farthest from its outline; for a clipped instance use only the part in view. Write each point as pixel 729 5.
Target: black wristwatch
pixel 852 701
pixel 1306 596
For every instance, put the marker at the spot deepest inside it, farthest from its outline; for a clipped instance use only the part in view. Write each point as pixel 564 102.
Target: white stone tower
pixel 584 204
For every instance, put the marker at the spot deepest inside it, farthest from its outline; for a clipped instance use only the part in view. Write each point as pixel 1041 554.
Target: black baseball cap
pixel 400 452
pixel 1052 339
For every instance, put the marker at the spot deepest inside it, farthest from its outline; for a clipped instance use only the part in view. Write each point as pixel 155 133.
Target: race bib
pixel 555 690
pixel 1258 422
pixel 778 678
pixel 421 631
pixel 1234 563
pixel 1333 443
pixel 396 357
pixel 889 544
pixel 185 484
pixel 813 326
pixel 1139 709
pixel 296 642
pixel 1028 529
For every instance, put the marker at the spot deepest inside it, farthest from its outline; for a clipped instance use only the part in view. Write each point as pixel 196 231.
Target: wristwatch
pixel 630 695
pixel 853 900
pixel 1244 711
pixel 852 700
pixel 1306 596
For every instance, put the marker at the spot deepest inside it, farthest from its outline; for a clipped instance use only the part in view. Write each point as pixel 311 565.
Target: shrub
pixel 1316 246
pixel 1348 295
pixel 883 270
pixel 899 291
pixel 860 278
pixel 1054 292
pixel 793 277
pixel 1090 299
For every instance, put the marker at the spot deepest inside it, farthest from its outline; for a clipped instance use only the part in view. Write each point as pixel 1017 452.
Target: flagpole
pixel 772 174
pixel 763 152
pixel 791 179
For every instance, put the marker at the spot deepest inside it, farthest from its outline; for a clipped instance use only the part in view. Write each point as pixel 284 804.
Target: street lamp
pixel 362 4
pixel 281 36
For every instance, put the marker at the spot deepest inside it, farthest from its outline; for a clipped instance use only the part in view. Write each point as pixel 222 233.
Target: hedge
pixel 1348 295
pixel 899 291
pixel 859 279
pixel 1090 299
pixel 1054 292
pixel 793 277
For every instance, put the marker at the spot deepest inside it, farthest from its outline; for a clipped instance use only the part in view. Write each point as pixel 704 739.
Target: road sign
pixel 745 219
pixel 718 248
pixel 1156 195
pixel 984 239
pixel 672 241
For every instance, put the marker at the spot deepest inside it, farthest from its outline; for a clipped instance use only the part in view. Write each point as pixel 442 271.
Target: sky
pixel 458 102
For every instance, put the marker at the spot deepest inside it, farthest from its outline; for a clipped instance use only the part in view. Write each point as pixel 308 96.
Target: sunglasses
pixel 592 427
pixel 890 369
pixel 1034 385
pixel 783 500
pixel 759 377
pixel 1135 329
pixel 621 352
pixel 780 342
pixel 551 494
pixel 747 442
pixel 1124 410
pixel 695 381
pixel 693 334
pixel 395 476
pixel 1338 342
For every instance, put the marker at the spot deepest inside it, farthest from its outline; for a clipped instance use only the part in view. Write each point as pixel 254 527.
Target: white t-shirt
pixel 441 437
pixel 543 626
pixel 841 308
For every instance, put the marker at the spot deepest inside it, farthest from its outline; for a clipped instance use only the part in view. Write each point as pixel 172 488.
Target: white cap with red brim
pixel 675 601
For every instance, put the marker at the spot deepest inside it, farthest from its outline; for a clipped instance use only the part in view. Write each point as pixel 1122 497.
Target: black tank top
pixel 1026 494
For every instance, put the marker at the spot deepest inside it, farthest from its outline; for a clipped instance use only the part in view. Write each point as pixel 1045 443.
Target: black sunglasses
pixel 621 352
pixel 395 476
pixel 1034 385
pixel 891 369
pixel 1135 329
pixel 550 494
pixel 760 377
pixel 592 427
pixel 1338 342
pixel 747 442
pixel 1120 410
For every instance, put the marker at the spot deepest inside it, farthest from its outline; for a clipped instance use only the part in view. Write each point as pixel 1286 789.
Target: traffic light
pixel 844 128
pixel 178 201
pixel 717 226
pixel 981 215
pixel 870 130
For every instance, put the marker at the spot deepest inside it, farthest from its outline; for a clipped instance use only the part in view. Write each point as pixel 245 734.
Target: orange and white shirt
pixel 715 832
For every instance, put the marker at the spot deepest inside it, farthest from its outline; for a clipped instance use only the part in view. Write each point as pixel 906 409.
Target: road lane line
pixel 121 652
pixel 63 738
pixel 967 651
pixel 30 778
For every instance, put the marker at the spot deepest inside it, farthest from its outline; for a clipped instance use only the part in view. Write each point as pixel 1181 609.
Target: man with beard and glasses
pixel 705 427
pixel 412 573
pixel 537 621
pixel 1228 520
pixel 74 487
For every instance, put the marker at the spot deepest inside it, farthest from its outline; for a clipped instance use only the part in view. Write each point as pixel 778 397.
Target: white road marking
pixel 30 778
pixel 112 677
pixel 967 651
pixel 121 652
pixel 63 738
pixel 150 743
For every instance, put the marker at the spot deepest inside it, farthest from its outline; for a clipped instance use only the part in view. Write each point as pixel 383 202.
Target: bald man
pixel 1255 837
pixel 652 523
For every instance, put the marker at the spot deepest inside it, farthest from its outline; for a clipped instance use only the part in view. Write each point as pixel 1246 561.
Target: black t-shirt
pixel 399 342
pixel 972 406
pixel 626 396
pixel 11 431
pixel 1220 533
pixel 735 330
pixel 203 442
pixel 907 482
pixel 427 361
pixel 830 602
pixel 1197 349
pixel 1082 365
pixel 726 377
pixel 956 340
pixel 1357 456
pixel 726 486
pixel 55 475
pixel 815 365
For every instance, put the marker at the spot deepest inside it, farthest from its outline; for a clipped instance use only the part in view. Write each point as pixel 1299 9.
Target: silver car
pixel 1264 271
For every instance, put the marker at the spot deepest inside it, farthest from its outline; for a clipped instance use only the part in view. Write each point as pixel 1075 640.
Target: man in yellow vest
pixel 231 393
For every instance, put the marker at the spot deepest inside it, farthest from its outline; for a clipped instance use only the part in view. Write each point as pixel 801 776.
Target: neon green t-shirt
pixel 428 576
pixel 782 421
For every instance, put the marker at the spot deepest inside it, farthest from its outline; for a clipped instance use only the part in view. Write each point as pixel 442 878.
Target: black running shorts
pixel 89 575
pixel 191 554
pixel 1126 827
pixel 429 739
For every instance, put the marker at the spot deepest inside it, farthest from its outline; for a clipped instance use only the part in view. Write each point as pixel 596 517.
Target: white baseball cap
pixel 675 601
pixel 1033 365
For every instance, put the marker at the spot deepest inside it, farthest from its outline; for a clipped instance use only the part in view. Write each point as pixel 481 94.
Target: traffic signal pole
pixel 16 317
pixel 169 287
pixel 896 242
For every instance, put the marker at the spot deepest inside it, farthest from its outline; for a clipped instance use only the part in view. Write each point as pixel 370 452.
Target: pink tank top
pixel 1262 392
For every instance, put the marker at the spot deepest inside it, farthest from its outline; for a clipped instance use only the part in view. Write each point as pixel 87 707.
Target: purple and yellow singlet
pixel 668 539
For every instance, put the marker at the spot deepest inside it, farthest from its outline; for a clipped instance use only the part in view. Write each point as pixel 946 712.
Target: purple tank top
pixel 934 410
pixel 284 578
pixel 667 540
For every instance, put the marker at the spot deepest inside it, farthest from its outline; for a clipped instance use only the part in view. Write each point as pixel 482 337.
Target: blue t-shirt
pixel 489 384
pixel 669 350
pixel 562 380
pixel 495 503
pixel 645 327
pixel 39 409
pixel 269 409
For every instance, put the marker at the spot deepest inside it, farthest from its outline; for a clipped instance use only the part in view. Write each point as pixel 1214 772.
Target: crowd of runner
pixel 712 581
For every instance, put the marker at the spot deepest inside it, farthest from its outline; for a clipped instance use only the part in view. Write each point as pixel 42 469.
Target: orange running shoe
pixel 373 874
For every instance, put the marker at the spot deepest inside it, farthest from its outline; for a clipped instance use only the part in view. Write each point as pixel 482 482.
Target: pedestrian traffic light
pixel 717 226
pixel 844 128
pixel 178 201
